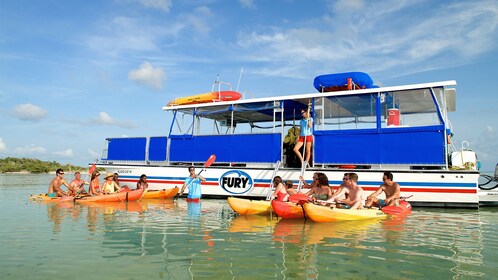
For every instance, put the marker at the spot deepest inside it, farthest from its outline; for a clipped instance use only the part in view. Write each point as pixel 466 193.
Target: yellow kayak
pixel 249 207
pixel 161 194
pixel 224 95
pixel 320 214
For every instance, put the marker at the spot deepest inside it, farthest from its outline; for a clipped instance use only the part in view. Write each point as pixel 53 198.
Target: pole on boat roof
pixel 240 78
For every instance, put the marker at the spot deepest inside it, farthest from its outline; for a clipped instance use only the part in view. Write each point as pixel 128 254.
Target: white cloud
pixel 164 5
pixel 29 112
pixel 105 119
pixel 65 153
pixel 3 146
pixel 149 76
pixel 30 150
pixel 247 4
pixel 93 154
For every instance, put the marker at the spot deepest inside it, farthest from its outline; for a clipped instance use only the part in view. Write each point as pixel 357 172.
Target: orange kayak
pixel 224 95
pixel 43 197
pixel 114 197
pixel 403 208
pixel 319 214
pixel 160 194
pixel 287 210
pixel 249 207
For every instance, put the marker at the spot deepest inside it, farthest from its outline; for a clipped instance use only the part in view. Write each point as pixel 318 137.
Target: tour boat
pixel 367 130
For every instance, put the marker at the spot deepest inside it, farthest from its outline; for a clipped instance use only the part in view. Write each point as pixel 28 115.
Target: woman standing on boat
pixel 193 182
pixel 305 137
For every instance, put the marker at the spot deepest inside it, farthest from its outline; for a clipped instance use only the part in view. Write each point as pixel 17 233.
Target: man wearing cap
pixel 54 189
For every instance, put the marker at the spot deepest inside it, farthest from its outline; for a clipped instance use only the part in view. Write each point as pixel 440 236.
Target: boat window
pixel 345 112
pixel 410 108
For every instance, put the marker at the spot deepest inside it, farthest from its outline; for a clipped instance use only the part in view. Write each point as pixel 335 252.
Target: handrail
pixel 303 169
pixel 270 189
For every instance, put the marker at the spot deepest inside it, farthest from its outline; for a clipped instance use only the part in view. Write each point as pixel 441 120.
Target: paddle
pixel 208 163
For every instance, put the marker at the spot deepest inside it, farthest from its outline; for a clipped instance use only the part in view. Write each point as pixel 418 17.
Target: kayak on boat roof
pixel 318 213
pixel 343 81
pixel 215 96
pixel 249 207
pixel 161 194
pixel 133 195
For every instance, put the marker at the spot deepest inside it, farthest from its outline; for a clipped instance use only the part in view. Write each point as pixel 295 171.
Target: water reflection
pixel 207 239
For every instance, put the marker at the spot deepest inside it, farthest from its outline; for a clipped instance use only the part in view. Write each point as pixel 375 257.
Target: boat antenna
pixel 240 77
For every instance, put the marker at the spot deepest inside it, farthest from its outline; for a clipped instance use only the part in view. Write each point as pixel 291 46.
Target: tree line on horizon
pixel 31 165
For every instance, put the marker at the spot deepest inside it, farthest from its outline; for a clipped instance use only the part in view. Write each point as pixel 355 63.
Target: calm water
pixel 168 240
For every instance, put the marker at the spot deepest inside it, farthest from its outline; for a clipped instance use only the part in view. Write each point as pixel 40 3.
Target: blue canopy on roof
pixel 361 79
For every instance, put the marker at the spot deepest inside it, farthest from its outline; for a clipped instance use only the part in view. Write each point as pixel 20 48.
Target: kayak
pixel 114 197
pixel 249 207
pixel 287 210
pixel 160 194
pixel 320 214
pixel 224 95
pixel 43 197
pixel 403 208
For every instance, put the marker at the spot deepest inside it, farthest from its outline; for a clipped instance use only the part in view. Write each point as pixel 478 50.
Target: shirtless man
pixel 77 185
pixel 390 188
pixel 54 189
pixel 354 193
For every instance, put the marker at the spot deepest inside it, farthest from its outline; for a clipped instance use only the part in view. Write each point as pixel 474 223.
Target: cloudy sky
pixel 75 72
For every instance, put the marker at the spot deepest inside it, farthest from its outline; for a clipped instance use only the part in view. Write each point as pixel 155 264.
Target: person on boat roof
pixel 321 190
pixel 109 185
pixel 94 188
pixel 354 193
pixel 193 182
pixel 306 136
pixel 390 188
pixel 77 185
pixel 142 183
pixel 54 189
pixel 280 193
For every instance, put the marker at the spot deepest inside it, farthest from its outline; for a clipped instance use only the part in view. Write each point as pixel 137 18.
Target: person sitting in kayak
pixel 109 185
pixel 77 185
pixel 322 190
pixel 116 179
pixel 290 187
pixel 193 182
pixel 54 188
pixel 354 193
pixel 94 188
pixel 314 183
pixel 280 193
pixel 142 183
pixel 390 188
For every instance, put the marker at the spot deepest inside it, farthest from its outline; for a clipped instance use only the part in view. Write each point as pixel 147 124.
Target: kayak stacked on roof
pixel 402 129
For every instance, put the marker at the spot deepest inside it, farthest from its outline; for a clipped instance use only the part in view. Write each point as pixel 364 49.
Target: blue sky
pixel 75 72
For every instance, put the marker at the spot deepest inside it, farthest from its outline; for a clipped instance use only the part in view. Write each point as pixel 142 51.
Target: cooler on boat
pixel 392 117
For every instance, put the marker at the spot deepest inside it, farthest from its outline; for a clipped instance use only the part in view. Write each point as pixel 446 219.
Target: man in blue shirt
pixel 193 182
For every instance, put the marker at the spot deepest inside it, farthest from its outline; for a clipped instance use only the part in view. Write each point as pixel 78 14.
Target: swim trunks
pixel 344 206
pixel 382 203
pixel 52 195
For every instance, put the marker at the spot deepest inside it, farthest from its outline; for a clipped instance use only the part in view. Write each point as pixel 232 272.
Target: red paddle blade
pixel 92 169
pixel 210 161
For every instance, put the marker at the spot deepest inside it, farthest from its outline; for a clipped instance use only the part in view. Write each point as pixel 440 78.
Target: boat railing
pixel 271 188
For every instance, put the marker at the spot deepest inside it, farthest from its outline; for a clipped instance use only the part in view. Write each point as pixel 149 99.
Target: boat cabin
pixel 403 127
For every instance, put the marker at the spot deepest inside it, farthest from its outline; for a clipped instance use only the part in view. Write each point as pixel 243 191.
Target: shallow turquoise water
pixel 167 240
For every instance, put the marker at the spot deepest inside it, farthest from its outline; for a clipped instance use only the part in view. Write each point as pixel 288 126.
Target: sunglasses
pixel 62 173
pixel 345 179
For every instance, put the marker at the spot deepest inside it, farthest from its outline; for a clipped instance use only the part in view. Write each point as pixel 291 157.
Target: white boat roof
pixel 450 83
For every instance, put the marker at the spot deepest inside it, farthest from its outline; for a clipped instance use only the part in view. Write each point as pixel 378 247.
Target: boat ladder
pixel 303 169
pixel 271 189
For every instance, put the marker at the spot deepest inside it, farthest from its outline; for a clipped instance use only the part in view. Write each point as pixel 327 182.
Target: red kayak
pixel 287 210
pixel 403 208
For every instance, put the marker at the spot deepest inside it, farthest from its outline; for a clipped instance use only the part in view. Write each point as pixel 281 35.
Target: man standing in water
pixel 306 136
pixel 54 189
pixel 193 182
